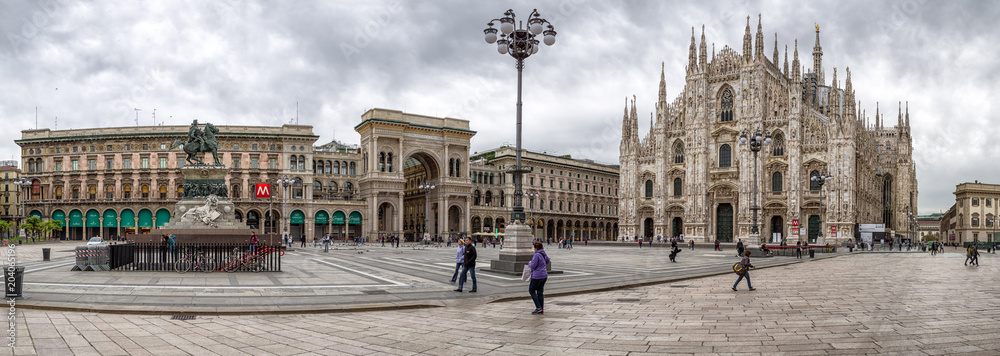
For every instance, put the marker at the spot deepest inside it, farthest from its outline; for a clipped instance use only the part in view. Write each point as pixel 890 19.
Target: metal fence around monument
pixel 160 257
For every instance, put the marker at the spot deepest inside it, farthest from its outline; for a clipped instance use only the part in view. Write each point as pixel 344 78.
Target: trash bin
pixel 812 253
pixel 46 253
pixel 12 281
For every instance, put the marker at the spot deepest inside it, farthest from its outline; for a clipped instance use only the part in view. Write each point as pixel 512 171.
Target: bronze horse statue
pixel 205 143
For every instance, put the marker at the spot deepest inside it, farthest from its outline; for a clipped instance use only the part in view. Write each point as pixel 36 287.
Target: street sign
pixel 795 231
pixel 263 190
pixel 833 228
pixel 795 223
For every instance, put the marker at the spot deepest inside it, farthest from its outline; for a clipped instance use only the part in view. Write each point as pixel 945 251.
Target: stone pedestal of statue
pixel 517 251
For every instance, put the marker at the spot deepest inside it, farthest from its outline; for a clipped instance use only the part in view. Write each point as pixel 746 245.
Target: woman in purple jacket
pixel 539 274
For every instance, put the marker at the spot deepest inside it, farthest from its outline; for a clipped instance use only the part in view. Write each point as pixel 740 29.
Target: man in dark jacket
pixel 469 265
pixel 739 248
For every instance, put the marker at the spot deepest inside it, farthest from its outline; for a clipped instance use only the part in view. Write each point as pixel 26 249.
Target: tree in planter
pixel 32 225
pixel 51 226
pixel 5 227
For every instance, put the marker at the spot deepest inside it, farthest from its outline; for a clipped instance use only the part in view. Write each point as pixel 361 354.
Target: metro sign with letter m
pixel 263 190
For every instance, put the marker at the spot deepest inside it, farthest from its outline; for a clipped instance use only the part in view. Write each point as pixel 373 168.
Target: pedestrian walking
pixel 718 247
pixel 968 255
pixel 539 274
pixel 326 243
pixel 746 266
pixel 303 239
pixel 673 251
pixel 975 253
pixel 459 260
pixel 468 265
pixel 739 248
pixel 569 244
pixel 640 243
pixel 798 249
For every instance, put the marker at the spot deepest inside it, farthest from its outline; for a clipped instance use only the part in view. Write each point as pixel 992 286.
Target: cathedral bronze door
pixel 647 225
pixel 677 228
pixel 724 222
pixel 814 228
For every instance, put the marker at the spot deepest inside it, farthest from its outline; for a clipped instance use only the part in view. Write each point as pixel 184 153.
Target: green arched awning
pixel 110 218
pixel 355 218
pixel 93 218
pixel 128 218
pixel 59 215
pixel 322 217
pixel 145 218
pixel 162 217
pixel 338 218
pixel 297 217
pixel 76 218
pixel 36 213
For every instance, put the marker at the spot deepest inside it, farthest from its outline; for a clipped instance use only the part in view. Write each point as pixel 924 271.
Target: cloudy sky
pixel 234 62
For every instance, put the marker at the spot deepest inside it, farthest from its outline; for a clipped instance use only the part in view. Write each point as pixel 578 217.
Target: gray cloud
pixel 249 62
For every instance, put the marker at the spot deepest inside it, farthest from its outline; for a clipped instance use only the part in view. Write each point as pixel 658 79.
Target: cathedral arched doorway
pixel 676 227
pixel 777 229
pixel 647 228
pixel 814 228
pixel 724 222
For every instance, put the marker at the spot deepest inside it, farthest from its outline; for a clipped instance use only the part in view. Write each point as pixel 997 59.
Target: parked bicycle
pixel 194 261
pixel 238 261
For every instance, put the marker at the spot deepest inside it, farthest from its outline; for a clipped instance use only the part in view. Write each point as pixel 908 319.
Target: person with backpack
pixel 717 245
pixel 742 269
pixel 539 274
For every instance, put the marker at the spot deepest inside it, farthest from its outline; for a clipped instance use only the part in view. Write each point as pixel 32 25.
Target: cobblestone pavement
pixel 347 278
pixel 900 303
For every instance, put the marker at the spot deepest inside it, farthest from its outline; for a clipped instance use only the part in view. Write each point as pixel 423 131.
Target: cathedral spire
pixel 747 44
pixel 878 121
pixel 795 63
pixel 692 59
pixel 786 61
pixel 818 59
pixel 663 85
pixel 775 61
pixel 702 56
pixel 899 115
pixel 634 120
pixel 626 126
pixel 759 45
pixel 907 115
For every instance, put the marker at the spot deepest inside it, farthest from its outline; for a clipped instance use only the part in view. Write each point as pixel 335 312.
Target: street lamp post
pixel 427 188
pixel 285 182
pixel 756 142
pixel 531 207
pixel 600 232
pixel 821 179
pixel 21 183
pixel 519 43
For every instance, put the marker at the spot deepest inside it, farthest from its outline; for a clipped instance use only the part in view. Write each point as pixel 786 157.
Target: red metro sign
pixel 263 190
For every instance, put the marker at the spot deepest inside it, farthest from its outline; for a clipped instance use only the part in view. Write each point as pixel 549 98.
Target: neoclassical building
pixel 690 175
pixel 972 217
pixel 124 180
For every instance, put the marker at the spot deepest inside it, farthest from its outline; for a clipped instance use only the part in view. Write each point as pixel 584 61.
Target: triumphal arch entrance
pixel 414 174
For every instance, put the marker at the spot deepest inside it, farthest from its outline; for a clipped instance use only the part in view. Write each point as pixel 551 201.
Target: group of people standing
pixel 465 266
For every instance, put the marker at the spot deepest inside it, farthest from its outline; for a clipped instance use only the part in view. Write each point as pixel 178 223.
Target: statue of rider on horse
pixel 199 142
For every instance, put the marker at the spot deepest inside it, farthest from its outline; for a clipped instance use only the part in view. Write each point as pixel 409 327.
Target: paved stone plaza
pixel 867 303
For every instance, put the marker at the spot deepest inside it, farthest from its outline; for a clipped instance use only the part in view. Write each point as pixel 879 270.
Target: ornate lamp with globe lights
pixel 427 188
pixel 520 42
pixel 756 142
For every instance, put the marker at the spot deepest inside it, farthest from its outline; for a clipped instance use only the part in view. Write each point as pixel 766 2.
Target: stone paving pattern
pixel 872 303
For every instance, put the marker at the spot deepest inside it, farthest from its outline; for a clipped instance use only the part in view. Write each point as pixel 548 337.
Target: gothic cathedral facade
pixel 691 175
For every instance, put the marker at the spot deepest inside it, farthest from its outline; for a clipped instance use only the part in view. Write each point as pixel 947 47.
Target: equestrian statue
pixel 199 142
